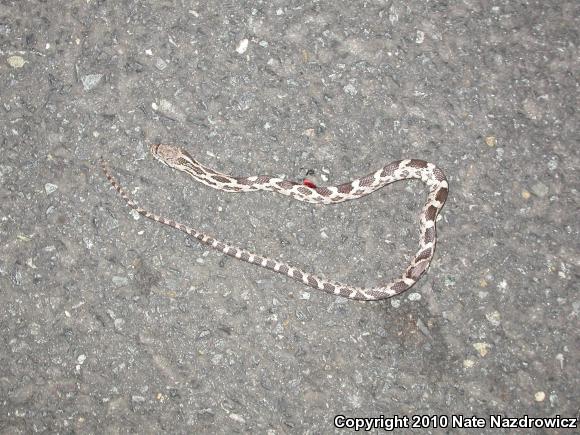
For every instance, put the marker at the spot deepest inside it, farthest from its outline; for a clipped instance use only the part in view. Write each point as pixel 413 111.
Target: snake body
pixel 431 175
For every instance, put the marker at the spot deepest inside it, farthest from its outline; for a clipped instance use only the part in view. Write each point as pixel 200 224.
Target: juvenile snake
pixel 432 176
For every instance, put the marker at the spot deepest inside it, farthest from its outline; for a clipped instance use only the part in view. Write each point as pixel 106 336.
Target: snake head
pixel 171 156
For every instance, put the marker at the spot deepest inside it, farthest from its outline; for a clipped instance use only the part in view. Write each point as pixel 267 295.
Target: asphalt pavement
pixel 113 324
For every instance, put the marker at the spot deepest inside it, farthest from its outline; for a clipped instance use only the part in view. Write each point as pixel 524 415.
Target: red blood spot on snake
pixel 309 183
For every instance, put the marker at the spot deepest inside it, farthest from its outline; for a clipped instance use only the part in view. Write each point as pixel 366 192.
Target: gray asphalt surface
pixel 113 324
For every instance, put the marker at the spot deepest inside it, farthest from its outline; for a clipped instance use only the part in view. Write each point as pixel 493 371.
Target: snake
pixel 434 178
